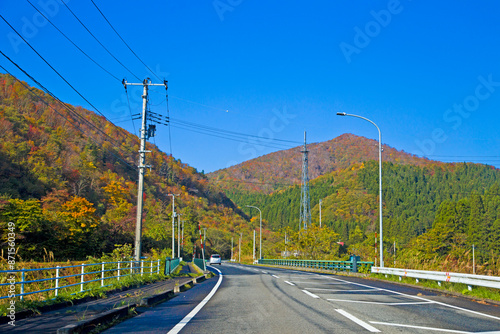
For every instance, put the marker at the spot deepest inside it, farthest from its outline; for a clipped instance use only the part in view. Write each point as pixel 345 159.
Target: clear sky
pixel 427 72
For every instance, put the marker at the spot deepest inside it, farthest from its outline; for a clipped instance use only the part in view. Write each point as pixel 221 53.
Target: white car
pixel 215 259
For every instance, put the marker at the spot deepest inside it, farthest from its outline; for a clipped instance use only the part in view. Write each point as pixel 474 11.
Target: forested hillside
pixel 432 210
pixel 278 170
pixel 68 180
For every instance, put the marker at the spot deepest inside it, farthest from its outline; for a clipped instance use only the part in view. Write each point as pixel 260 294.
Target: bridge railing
pixel 200 264
pixel 441 276
pixel 54 279
pixel 171 265
pixel 354 265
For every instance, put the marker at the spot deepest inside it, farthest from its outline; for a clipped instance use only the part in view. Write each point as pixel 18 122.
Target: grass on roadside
pixel 94 290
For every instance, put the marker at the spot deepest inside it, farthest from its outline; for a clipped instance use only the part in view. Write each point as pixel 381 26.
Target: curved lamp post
pixel 260 212
pixel 379 178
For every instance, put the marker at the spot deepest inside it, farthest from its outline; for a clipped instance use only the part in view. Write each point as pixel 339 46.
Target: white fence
pixel 108 270
pixel 440 276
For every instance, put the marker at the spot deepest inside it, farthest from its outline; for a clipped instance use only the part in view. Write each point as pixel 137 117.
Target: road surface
pixel 249 299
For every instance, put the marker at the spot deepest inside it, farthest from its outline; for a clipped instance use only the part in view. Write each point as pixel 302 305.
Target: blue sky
pixel 428 73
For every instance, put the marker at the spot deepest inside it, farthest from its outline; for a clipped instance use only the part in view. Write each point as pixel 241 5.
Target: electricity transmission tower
pixel 147 131
pixel 305 201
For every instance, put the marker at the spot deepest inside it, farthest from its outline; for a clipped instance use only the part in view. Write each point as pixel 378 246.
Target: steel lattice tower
pixel 305 201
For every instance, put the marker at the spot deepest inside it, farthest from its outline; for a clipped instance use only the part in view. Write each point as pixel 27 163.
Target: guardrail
pixel 441 276
pixel 114 270
pixel 200 264
pixel 171 265
pixel 354 265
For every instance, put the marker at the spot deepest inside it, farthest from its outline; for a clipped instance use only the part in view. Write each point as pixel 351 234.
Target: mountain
pixel 68 182
pixel 281 169
pixel 344 175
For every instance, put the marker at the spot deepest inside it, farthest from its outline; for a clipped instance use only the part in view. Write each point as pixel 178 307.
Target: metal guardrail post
pixel 102 275
pixel 142 267
pixel 151 267
pixel 131 267
pixel 158 267
pixel 82 278
pixel 57 280
pixel 118 270
pixel 22 284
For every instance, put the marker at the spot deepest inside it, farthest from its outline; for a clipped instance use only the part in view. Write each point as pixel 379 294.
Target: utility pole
pixel 394 253
pixel 320 201
pixel 204 237
pixel 239 248
pixel 231 248
pixel 253 246
pixel 173 223
pixel 183 235
pixel 473 260
pixel 145 134
pixel 179 235
pixel 285 245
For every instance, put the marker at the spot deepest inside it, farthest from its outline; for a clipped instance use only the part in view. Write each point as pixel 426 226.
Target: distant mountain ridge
pixel 278 170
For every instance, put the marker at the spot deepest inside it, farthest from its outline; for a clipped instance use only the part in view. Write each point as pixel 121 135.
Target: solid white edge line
pixel 177 328
pixel 310 294
pixel 422 327
pixel 358 321
pixel 289 283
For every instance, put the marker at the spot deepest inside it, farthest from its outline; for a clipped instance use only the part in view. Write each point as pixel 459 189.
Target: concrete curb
pixel 122 312
pixel 85 326
pixel 149 301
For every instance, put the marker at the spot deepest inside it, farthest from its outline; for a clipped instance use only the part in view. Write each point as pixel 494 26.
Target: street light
pixel 380 179
pixel 260 212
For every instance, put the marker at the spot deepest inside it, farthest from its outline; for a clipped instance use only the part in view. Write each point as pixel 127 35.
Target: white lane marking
pixel 289 283
pixel 177 328
pixel 358 321
pixel 378 303
pixel 320 283
pixel 421 327
pixel 264 272
pixel 424 299
pixel 321 277
pixel 275 276
pixel 310 294
pixel 341 290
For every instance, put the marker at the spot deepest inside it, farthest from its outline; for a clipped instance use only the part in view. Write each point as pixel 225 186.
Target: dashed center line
pixel 275 276
pixel 342 290
pixel 310 294
pixel 289 283
pixel 358 321
pixel 378 303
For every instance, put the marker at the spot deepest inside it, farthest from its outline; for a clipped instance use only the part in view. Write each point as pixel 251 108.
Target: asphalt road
pixel 248 299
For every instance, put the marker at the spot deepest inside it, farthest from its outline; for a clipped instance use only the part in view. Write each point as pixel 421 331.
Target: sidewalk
pixel 51 321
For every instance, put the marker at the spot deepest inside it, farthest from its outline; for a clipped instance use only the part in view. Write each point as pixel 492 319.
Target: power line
pixel 64 79
pixel 124 41
pixel 91 34
pixel 208 128
pixel 76 46
pixel 70 110
pixel 241 140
